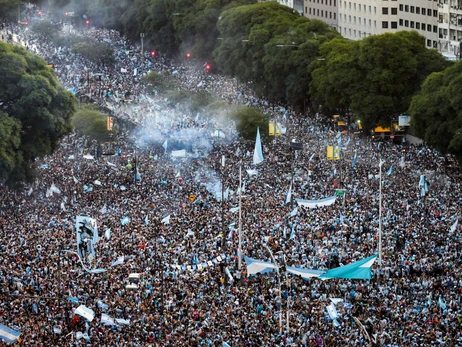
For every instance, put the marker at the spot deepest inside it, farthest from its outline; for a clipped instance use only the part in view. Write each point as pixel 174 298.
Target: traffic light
pixel 207 67
pixel 188 55
pixel 87 22
pixel 67 13
pixel 153 54
pixel 40 13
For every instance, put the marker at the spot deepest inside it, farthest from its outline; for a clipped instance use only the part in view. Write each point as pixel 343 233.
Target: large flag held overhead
pixel 258 152
pixel 353 163
pixel 289 195
pixel 316 203
pixel 8 335
pixel 358 270
pixel 454 226
pixel 255 266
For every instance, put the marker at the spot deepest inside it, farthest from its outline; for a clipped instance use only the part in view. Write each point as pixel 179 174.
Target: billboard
pixel 404 121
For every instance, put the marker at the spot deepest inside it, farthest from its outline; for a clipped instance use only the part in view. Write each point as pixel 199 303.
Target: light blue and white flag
pixel 102 305
pixel 231 228
pixel 294 212
pixel 8 335
pixel 146 220
pixel 332 311
pixel 292 232
pixel 252 172
pixel 255 266
pixel 103 210
pixel 80 335
pixel 454 226
pixel 335 323
pixel 125 220
pixel 258 152
pixel 358 270
pixel 225 345
pixel 165 145
pixel 122 321
pixel 108 233
pixel 353 163
pixel 120 260
pixel 165 220
pixel 316 203
pixel 390 170
pixel 422 181
pixel 105 319
pixel 73 299
pixel 342 218
pixel 441 303
pixel 289 194
pixel 312 156
pixel 85 312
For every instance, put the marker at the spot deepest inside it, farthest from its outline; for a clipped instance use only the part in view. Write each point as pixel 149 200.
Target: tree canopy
pixel 272 46
pixel 248 119
pixel 436 112
pixel 35 112
pixel 376 77
pixel 89 121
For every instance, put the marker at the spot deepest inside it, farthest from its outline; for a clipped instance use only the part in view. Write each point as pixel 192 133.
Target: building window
pixel 322 13
pixel 384 10
pixel 412 9
pixel 406 23
pixel 406 8
pixel 394 25
pixel 385 25
pixel 401 7
pixel 435 45
pixel 429 27
pixel 401 22
pixel 429 12
pixel 435 29
pixel 335 15
pixel 335 3
pixel 417 10
pixel 435 13
pixel 429 43
pixel 424 11
pixel 412 24
pixel 417 25
pixel 394 11
pixel 330 15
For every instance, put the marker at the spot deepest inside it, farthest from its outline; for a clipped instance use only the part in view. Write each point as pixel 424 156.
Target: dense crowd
pixel 181 237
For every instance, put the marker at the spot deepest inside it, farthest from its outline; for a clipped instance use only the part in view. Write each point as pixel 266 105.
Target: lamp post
pixel 142 35
pixel 239 249
pixel 279 286
pixel 380 212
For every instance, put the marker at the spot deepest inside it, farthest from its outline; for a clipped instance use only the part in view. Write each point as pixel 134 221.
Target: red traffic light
pixel 207 67
pixel 87 22
pixel 188 55
pixel 153 54
pixel 40 13
pixel 67 13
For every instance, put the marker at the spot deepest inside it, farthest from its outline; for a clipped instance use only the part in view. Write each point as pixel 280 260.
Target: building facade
pixel 421 16
pixel 450 28
pixel 325 10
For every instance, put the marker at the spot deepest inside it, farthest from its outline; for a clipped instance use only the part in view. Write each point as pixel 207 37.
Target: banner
pixel 330 152
pixel 336 152
pixel 271 129
pixel 87 236
pixel 316 203
pixel 110 123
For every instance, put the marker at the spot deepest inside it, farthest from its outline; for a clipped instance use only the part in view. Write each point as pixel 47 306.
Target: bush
pixel 89 121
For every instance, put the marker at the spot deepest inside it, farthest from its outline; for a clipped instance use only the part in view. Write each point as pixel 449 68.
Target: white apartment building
pixel 325 10
pixel 450 28
pixel 361 18
pixel 295 4
pixel 422 16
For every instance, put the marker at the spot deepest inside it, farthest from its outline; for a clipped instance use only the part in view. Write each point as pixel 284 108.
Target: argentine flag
pixel 389 171
pixel 354 160
pixel 8 335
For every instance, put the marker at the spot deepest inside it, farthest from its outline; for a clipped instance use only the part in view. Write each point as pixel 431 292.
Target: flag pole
pixel 239 251
pixel 380 212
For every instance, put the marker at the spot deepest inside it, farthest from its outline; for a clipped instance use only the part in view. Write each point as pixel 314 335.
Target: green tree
pixel 100 53
pixel 159 81
pixel 34 103
pixel 248 119
pixel 436 112
pixel 44 28
pixel 89 121
pixel 376 77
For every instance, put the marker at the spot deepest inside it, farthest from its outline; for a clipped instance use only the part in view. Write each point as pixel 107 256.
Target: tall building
pixel 362 18
pixel 325 10
pixel 295 4
pixel 450 28
pixel 421 16
pixel 357 19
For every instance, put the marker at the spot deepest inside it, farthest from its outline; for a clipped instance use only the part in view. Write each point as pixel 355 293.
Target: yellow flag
pixel 271 129
pixel 330 152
